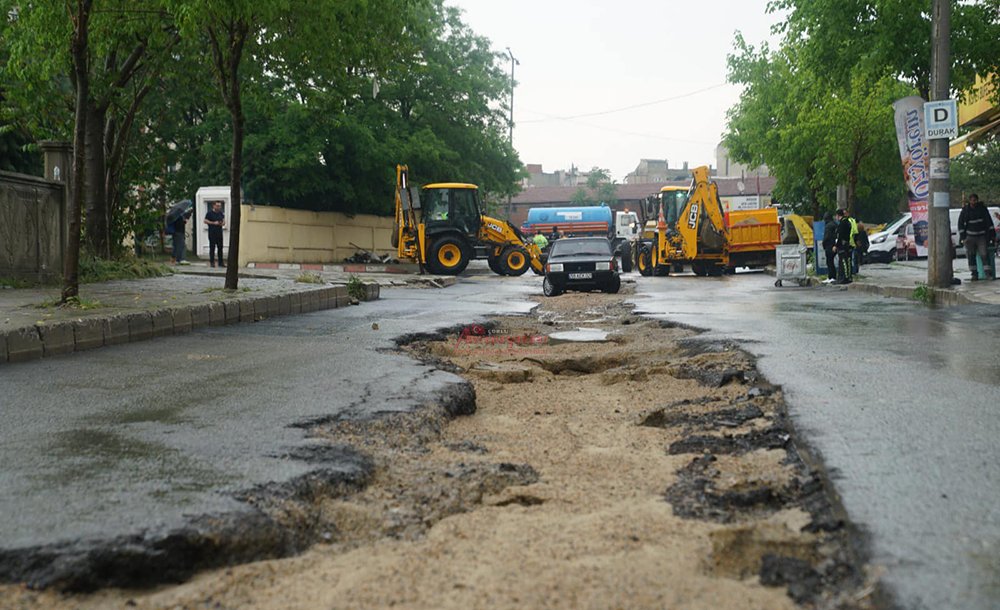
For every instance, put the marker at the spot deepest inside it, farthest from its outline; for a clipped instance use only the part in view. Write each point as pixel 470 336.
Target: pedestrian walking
pixel 554 235
pixel 846 229
pixel 177 230
pixel 540 241
pixel 974 227
pixel 216 221
pixel 830 245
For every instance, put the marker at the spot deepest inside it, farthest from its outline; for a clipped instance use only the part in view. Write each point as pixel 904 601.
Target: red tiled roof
pixel 728 187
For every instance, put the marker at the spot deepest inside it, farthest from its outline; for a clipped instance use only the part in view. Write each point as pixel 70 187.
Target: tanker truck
pixel 621 228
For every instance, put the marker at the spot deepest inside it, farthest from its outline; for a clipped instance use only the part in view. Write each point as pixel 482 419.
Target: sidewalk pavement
pixel 901 278
pixel 126 311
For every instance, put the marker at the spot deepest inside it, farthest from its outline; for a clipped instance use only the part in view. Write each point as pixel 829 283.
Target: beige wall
pixel 271 234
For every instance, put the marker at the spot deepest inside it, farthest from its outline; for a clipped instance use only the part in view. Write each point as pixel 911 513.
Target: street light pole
pixel 510 121
pixel 939 263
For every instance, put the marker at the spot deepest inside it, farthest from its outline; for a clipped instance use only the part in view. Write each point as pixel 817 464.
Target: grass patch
pixel 10 282
pixel 923 294
pixel 71 303
pixel 355 288
pixel 309 278
pixel 93 269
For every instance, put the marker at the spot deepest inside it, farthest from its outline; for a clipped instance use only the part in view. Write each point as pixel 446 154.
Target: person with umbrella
pixel 176 219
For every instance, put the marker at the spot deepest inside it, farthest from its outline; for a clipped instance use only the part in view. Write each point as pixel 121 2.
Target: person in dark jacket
pixel 845 247
pixel 974 226
pixel 830 245
pixel 216 220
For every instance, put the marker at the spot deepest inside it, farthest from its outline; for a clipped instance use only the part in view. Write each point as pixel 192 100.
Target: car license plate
pixel 580 276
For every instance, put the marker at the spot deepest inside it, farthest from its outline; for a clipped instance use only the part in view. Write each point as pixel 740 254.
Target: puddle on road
pixel 580 335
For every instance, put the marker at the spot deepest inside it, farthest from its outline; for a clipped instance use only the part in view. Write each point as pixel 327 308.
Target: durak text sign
pixel 941 119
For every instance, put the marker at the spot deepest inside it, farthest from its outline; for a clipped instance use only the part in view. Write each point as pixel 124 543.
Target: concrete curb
pixel 65 337
pixel 344 268
pixel 938 296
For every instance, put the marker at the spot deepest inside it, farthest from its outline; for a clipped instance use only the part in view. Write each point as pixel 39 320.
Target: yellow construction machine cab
pixel 441 226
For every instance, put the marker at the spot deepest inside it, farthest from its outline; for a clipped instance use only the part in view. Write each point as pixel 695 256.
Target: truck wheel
pixel 514 260
pixel 613 286
pixel 626 257
pixel 645 264
pixel 448 255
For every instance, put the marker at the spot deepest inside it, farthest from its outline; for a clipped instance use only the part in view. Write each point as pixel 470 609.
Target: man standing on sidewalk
pixel 215 219
pixel 846 228
pixel 974 223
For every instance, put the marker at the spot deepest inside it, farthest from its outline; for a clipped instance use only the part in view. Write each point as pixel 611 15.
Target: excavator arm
pixel 509 243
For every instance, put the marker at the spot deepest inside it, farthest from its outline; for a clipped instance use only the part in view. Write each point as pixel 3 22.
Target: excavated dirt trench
pixel 648 470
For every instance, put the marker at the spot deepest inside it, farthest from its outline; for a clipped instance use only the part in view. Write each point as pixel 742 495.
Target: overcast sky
pixel 594 56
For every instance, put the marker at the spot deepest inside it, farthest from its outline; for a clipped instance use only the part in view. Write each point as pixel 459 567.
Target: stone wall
pixel 32 227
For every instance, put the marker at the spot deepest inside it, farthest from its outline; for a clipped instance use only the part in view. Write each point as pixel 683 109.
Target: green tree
pixel 889 38
pixel 814 136
pixel 296 42
pixel 977 171
pixel 126 47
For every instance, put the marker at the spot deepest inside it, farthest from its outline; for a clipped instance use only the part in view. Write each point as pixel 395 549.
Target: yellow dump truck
pixel 691 229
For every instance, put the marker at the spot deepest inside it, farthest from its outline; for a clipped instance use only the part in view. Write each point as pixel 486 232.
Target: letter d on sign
pixel 940 115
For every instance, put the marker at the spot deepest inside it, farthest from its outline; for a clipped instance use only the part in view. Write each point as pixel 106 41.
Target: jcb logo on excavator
pixel 494 227
pixel 693 216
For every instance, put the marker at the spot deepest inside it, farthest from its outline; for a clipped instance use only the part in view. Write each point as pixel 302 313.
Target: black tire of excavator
pixel 626 254
pixel 659 270
pixel 645 263
pixel 494 264
pixel 514 251
pixel 451 245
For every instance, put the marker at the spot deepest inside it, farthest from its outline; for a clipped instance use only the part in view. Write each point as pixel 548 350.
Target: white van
pixel 882 245
pixel 953 213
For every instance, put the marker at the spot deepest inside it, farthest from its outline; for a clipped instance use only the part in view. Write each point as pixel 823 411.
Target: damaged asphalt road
pixel 899 399
pixel 611 461
pixel 141 463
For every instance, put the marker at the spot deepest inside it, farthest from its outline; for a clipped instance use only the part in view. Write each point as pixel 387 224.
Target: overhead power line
pixel 550 117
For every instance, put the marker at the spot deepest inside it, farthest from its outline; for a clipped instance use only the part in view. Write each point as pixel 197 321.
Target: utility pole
pixel 510 122
pixel 939 264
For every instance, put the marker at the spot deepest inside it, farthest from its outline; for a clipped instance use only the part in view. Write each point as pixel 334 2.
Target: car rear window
pixel 578 247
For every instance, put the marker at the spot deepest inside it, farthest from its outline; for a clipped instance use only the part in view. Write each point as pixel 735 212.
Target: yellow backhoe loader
pixel 691 229
pixel 440 225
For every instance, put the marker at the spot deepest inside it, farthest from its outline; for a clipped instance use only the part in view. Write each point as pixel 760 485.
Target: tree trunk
pixel 230 82
pixel 78 49
pixel 96 201
pixel 235 195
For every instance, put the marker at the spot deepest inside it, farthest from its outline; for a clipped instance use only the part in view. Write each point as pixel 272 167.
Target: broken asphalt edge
pixel 42 340
pixel 261 529
pixel 857 538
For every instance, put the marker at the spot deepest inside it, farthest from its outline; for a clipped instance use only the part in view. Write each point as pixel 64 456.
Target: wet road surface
pixel 147 436
pixel 903 403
